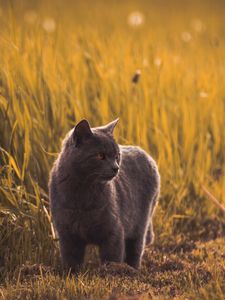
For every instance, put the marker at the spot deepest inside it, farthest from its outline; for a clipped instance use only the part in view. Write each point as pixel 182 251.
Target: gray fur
pixel 93 204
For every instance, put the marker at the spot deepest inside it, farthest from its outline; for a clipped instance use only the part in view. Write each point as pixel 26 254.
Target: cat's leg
pixel 112 249
pixel 72 250
pixel 149 239
pixel 134 251
pixel 150 233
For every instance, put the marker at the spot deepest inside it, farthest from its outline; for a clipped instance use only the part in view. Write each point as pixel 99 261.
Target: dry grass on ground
pixel 185 270
pixel 62 61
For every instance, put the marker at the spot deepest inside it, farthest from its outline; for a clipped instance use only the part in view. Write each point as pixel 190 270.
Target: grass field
pixel 61 61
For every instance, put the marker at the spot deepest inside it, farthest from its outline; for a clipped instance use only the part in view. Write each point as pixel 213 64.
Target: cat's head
pixel 94 150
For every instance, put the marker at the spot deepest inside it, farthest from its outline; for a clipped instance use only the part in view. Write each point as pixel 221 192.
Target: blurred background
pixel 61 61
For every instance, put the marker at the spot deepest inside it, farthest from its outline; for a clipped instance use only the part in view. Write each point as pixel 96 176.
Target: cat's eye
pixel 100 156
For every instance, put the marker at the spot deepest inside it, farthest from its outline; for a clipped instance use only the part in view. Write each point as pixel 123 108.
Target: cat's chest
pixel 91 225
pixel 89 215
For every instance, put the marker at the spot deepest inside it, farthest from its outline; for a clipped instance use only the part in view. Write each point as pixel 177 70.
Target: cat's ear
pixel 82 132
pixel 109 128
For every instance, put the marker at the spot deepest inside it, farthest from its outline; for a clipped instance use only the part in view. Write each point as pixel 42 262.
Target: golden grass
pixel 64 62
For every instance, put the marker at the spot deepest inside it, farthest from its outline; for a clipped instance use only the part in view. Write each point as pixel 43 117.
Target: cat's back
pixel 138 166
pixel 136 157
pixel 137 187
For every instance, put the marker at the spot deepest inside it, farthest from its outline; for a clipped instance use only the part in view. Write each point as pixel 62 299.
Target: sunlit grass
pixel 61 63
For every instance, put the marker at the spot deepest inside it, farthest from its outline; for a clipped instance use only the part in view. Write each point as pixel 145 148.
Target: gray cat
pixel 104 194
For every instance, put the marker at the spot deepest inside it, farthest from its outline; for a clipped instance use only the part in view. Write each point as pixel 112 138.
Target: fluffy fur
pixel 102 193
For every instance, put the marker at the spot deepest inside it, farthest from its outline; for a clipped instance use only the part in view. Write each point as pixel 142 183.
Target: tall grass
pixel 82 66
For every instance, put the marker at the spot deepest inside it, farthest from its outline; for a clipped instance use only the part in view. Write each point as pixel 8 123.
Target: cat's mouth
pixel 108 177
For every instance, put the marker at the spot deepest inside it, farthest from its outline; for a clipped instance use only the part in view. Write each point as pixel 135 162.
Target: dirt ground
pixel 180 267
